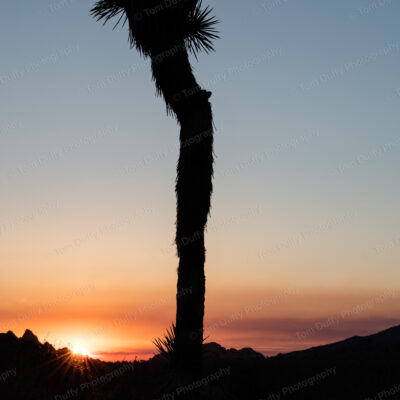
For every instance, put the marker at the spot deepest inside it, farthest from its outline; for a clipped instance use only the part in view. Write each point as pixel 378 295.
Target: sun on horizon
pixel 80 351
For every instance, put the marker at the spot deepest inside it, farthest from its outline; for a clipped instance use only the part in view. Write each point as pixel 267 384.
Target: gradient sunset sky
pixel 303 245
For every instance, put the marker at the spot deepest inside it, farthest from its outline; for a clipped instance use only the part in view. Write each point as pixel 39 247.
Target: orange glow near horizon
pixel 109 286
pixel 270 321
pixel 113 299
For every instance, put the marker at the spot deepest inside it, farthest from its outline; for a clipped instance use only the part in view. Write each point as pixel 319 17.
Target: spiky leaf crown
pixel 154 22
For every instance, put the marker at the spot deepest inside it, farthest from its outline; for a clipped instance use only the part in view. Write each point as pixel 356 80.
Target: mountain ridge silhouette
pixel 360 367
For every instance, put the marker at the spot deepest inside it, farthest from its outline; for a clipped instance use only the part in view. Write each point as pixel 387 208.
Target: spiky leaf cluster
pixel 166 344
pixel 157 24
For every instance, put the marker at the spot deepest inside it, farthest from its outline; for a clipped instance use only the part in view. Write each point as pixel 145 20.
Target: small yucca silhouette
pixel 166 344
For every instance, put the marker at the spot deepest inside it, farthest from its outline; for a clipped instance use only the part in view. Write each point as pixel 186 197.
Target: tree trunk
pixel 193 189
pixel 174 79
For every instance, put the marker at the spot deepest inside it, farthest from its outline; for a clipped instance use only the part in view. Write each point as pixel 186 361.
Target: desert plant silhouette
pixel 166 31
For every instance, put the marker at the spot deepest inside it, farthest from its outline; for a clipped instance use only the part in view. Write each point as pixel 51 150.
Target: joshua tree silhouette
pixel 166 31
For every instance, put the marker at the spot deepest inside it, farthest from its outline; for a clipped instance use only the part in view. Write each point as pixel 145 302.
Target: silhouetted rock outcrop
pixel 216 351
pixel 11 336
pixel 29 336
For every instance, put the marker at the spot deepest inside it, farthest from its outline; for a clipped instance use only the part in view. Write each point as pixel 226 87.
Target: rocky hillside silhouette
pixel 358 368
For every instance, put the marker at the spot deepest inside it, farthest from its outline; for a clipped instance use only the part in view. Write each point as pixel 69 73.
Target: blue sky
pixel 305 96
